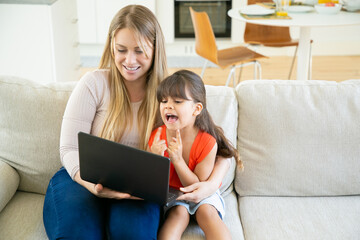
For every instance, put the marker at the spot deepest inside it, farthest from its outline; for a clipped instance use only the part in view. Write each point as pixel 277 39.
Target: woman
pixel 116 102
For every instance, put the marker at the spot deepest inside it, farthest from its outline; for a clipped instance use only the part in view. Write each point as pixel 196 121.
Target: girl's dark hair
pixel 175 85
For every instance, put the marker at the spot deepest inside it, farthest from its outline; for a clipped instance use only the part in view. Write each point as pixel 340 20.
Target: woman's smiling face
pixel 132 59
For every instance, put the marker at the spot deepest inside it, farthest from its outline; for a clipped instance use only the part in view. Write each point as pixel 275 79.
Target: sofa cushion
pixel 294 218
pixel 30 122
pixel 299 138
pixel 232 216
pixel 223 108
pixel 22 218
pixel 231 219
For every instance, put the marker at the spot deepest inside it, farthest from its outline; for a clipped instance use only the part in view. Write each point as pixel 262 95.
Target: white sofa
pixel 299 141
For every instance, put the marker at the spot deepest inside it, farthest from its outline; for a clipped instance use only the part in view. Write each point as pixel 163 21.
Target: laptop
pixel 125 169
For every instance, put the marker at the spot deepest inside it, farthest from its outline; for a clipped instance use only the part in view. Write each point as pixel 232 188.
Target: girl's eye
pixel 163 101
pixel 178 101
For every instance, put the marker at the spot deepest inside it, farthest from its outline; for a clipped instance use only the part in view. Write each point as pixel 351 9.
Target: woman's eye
pixel 121 50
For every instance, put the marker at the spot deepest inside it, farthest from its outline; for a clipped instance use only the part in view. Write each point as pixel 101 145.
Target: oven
pixel 216 9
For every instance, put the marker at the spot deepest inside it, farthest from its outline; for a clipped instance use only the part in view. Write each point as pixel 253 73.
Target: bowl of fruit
pixel 328 8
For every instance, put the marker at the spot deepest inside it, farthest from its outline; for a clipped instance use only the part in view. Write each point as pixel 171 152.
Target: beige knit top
pixel 85 112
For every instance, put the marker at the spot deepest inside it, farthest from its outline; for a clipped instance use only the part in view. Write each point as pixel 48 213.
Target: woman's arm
pixel 200 190
pixel 79 116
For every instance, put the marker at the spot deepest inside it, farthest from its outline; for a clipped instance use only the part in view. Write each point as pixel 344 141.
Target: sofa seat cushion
pixel 299 138
pixel 330 218
pixel 232 221
pixel 22 217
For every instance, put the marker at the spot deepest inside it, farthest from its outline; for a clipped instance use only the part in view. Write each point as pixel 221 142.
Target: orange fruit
pixel 281 14
pixel 329 4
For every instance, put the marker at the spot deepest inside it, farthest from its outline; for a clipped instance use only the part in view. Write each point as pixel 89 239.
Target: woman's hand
pixel 198 191
pixel 175 149
pixel 101 191
pixel 158 146
pixel 104 192
pixel 201 190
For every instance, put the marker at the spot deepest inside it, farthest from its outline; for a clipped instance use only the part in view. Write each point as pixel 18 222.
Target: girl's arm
pixel 201 172
pixel 200 190
pixel 206 166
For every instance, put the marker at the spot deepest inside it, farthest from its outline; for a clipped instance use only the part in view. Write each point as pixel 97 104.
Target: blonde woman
pixel 116 102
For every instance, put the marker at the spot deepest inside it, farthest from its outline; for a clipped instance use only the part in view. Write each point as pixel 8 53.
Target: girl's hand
pixel 100 191
pixel 158 146
pixel 175 149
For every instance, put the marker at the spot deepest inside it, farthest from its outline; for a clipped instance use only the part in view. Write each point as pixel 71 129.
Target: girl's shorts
pixel 215 200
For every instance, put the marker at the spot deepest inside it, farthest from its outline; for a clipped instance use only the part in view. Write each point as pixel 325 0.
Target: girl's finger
pixel 158 134
pixel 178 136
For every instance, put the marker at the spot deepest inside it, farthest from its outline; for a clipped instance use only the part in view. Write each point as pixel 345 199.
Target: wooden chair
pixel 270 36
pixel 205 46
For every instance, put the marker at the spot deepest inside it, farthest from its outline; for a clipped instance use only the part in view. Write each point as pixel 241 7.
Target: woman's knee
pixel 71 211
pixel 133 219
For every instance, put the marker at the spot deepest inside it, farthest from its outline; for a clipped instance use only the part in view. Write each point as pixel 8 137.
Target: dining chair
pixel 271 36
pixel 205 46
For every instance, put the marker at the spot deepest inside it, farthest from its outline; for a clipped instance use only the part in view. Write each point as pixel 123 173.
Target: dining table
pixel 305 21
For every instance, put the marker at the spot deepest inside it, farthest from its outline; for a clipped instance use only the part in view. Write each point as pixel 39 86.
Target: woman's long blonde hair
pixel 145 26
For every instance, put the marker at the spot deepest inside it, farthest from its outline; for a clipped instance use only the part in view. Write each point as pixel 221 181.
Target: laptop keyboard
pixel 171 197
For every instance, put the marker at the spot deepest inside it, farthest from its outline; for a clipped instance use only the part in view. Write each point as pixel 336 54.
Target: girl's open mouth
pixel 170 118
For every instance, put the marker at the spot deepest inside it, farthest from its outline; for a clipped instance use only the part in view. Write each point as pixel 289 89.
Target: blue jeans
pixel 72 212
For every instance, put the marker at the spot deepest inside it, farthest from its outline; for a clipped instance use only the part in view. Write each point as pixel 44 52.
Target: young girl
pixel 191 140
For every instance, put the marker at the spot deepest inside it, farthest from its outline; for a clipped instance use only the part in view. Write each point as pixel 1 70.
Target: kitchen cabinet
pixel 95 17
pixel 39 40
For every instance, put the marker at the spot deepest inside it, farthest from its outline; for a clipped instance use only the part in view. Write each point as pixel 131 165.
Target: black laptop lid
pixel 123 168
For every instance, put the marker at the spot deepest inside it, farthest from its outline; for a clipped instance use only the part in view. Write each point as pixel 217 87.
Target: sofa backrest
pixel 222 105
pixel 30 121
pixel 299 138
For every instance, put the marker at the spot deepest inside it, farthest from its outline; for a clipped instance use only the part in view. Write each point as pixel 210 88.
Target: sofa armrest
pixel 9 182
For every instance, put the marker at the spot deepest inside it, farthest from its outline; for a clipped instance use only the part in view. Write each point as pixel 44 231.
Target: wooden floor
pixel 333 68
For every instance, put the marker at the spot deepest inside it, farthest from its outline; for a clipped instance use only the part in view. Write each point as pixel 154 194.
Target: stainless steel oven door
pixel 216 9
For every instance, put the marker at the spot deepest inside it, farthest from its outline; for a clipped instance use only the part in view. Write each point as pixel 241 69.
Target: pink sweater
pixel 85 112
